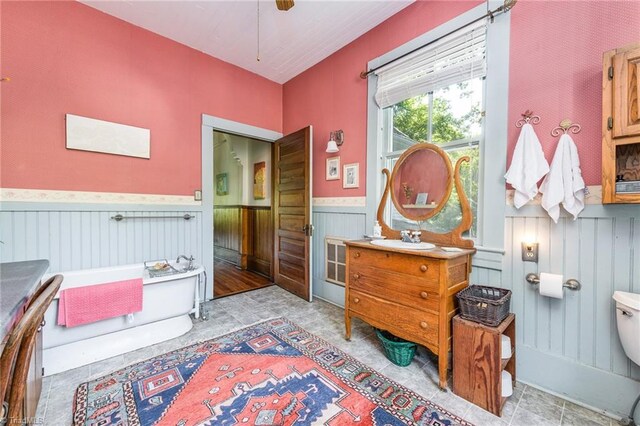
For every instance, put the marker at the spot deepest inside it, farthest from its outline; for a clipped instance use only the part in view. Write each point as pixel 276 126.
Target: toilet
pixel 628 319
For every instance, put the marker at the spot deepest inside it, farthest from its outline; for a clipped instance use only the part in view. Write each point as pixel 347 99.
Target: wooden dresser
pixel 409 293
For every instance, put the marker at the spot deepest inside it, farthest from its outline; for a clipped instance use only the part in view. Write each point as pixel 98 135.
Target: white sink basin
pixel 402 245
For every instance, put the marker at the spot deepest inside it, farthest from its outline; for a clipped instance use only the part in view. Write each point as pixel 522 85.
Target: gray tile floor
pixel 528 406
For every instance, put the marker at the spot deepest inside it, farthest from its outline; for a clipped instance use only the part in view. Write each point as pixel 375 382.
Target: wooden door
pixel 292 213
pixel 626 92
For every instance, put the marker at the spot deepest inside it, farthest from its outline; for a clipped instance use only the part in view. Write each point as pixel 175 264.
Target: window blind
pixel 458 57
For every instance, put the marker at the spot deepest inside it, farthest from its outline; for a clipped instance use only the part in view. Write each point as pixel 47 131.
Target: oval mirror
pixel 421 182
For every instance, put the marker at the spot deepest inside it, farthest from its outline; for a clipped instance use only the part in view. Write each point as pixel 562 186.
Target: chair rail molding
pixel 21 195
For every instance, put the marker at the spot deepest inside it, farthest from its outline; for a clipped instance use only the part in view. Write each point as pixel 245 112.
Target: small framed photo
pixel 222 184
pixel 351 173
pixel 421 198
pixel 333 168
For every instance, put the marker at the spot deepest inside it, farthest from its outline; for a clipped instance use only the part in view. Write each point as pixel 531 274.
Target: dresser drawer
pixel 403 263
pixel 411 324
pixel 404 289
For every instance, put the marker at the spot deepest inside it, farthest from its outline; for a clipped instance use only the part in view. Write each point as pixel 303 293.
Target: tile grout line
pixel 46 404
pixel 517 405
pixel 564 403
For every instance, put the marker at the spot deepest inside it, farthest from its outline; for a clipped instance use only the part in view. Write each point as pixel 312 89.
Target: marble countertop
pixel 18 281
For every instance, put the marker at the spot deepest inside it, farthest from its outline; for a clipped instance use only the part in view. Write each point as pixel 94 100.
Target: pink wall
pixel 556 69
pixel 65 57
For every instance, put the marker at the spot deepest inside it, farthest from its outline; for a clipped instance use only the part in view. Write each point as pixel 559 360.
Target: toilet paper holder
pixel 571 283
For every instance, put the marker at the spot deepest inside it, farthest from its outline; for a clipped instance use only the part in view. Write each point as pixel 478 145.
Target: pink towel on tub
pixel 83 305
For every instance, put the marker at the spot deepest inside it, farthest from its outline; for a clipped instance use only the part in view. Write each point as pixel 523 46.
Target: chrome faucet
pixel 410 236
pixel 188 259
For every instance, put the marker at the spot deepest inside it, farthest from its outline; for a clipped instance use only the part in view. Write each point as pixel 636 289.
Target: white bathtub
pixel 166 304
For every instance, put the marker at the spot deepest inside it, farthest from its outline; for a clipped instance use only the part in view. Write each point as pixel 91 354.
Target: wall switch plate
pixel 197 195
pixel 530 252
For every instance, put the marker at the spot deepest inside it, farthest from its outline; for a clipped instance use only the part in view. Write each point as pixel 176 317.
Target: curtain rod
pixel 506 6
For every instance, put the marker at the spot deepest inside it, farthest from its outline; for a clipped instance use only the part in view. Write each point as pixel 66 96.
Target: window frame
pixel 387 155
pixel 492 149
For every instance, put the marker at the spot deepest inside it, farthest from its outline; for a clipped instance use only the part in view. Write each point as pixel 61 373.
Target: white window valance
pixel 455 58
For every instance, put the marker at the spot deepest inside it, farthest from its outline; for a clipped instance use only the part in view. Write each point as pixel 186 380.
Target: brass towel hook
pixel 566 126
pixel 527 117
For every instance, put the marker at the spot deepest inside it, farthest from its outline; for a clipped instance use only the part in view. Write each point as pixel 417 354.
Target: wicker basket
pixel 486 305
pixel 398 351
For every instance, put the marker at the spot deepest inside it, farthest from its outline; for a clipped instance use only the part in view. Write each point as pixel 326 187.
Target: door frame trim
pixel 209 125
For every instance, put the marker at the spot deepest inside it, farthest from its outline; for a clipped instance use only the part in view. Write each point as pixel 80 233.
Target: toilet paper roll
pixel 551 285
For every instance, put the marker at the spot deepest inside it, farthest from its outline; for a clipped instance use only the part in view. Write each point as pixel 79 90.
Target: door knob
pixel 308 230
pixel 356 254
pixel 424 294
pixel 356 276
pixel 423 325
pixel 356 300
pixel 424 268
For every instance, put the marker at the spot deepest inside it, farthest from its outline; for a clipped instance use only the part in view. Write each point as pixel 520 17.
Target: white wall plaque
pixel 89 134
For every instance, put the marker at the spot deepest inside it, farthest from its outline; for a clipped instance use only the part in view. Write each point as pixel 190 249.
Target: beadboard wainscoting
pixel 76 237
pixel 571 346
pixel 340 223
pixel 351 223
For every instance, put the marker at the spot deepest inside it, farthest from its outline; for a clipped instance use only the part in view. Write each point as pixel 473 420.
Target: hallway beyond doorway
pixel 229 279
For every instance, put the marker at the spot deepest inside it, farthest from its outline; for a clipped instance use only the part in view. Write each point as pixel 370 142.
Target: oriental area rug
pixel 272 373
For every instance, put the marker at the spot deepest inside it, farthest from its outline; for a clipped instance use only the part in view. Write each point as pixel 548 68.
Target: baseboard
pixel 599 390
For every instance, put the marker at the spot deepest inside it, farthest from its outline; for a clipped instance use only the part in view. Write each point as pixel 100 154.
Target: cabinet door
pixel 626 91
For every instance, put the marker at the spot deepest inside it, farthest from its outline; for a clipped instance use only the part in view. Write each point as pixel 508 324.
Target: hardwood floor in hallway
pixel 229 279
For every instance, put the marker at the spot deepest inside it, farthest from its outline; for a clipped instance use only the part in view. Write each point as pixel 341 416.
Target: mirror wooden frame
pixel 452 238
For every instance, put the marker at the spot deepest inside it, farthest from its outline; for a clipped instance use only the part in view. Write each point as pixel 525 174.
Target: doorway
pixel 293 156
pixel 242 219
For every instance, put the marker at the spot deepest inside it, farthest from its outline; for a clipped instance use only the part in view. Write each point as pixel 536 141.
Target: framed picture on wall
pixel 421 198
pixel 333 168
pixel 351 173
pixel 222 184
pixel 259 180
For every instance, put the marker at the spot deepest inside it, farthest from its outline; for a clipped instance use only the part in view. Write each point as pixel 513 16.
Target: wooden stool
pixel 477 362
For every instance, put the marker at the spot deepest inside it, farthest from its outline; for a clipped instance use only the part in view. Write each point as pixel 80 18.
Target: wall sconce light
pixel 529 251
pixel 336 139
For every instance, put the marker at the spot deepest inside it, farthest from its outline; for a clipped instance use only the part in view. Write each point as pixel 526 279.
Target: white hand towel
pixel 528 166
pixel 564 183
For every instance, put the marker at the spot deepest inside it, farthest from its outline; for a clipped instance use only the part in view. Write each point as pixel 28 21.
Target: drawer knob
pixel 424 294
pixel 356 300
pixel 356 254
pixel 357 276
pixel 424 268
pixel 423 325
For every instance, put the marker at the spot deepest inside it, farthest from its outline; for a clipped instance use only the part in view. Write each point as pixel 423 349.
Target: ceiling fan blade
pixel 284 4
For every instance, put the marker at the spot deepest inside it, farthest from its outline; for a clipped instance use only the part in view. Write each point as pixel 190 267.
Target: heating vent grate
pixel 335 260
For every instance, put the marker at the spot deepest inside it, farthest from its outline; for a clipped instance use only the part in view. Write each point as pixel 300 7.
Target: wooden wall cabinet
pixel 620 122
pixel 477 362
pixel 410 293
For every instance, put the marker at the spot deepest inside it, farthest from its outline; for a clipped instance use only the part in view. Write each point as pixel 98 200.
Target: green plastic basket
pixel 398 351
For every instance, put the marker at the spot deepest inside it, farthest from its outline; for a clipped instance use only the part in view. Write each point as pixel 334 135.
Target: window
pixel 450 117
pixel 461 65
pixel 436 94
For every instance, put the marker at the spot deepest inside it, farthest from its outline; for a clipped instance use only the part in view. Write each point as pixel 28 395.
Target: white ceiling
pixel 290 42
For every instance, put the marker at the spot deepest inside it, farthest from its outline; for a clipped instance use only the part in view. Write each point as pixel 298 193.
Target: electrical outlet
pixel 529 252
pixel 197 195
